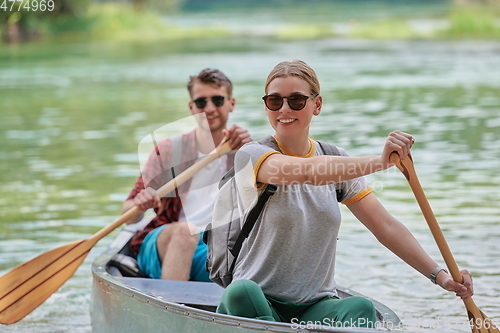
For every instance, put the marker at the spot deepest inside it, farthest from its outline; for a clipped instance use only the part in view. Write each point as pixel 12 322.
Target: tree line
pixel 23 20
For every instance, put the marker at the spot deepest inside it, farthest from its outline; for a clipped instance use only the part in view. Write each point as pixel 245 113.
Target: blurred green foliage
pixel 29 19
pixel 91 20
pixel 463 21
pixel 75 20
pixel 304 31
pixel 123 22
pixel 382 29
pixel 67 18
pixel 475 22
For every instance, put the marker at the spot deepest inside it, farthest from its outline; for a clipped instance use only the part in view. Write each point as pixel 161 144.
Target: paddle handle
pixel 222 149
pixel 408 170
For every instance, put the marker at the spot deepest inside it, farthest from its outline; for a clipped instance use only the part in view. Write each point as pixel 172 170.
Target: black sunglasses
pixel 201 102
pixel 296 102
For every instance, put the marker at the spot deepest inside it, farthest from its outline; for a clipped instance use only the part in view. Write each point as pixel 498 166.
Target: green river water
pixel 71 116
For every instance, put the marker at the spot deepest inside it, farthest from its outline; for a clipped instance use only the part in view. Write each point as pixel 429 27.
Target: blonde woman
pixel 286 267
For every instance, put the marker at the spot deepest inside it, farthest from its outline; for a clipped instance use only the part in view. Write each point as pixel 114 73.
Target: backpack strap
pixel 330 149
pixel 270 142
pixel 255 212
pixel 250 222
pixel 229 174
pixel 267 141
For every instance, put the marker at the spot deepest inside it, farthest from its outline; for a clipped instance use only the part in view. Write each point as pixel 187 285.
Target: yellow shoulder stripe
pixel 258 164
pixel 358 196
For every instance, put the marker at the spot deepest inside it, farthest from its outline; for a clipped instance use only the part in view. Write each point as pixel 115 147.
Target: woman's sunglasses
pixel 296 102
pixel 201 102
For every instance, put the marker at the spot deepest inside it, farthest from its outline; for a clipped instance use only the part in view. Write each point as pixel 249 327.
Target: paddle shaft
pixel 478 320
pixel 410 174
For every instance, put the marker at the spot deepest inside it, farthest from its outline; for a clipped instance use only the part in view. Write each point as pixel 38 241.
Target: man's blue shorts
pixel 150 263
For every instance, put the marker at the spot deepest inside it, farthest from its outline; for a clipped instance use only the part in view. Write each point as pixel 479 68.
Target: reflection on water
pixel 69 135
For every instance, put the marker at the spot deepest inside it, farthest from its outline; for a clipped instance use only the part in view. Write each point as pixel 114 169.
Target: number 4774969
pixel 28 5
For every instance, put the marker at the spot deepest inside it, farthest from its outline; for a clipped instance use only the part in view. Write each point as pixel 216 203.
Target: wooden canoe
pixel 134 304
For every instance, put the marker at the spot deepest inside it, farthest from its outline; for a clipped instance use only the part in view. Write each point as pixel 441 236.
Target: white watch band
pixel 435 272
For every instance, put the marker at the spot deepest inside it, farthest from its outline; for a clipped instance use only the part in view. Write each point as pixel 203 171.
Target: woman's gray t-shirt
pixel 290 252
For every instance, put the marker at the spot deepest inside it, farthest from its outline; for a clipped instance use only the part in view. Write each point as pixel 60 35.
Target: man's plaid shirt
pixel 158 172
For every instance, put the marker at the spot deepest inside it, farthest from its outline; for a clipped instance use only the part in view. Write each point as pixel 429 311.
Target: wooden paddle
pixel 28 285
pixel 477 319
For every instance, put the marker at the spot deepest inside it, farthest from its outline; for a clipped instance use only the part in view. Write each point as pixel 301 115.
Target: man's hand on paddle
pixel 238 136
pixel 462 290
pixel 146 199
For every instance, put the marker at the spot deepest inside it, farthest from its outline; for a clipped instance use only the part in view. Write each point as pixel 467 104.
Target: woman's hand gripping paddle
pixel 477 319
pixel 28 285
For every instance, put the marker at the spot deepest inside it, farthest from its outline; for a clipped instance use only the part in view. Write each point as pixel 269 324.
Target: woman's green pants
pixel 244 298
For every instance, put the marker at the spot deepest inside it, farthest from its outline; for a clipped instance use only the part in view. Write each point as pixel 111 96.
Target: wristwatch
pixel 435 272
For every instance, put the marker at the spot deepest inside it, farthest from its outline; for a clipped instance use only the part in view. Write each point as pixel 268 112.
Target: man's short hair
pixel 213 77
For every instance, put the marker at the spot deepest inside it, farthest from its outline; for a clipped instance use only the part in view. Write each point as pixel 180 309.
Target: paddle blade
pixel 478 321
pixel 28 285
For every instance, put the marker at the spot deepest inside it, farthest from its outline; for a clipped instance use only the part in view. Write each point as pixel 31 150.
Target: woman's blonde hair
pixel 296 68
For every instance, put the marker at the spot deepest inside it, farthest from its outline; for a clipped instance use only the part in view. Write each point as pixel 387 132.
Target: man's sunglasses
pixel 201 102
pixel 296 101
